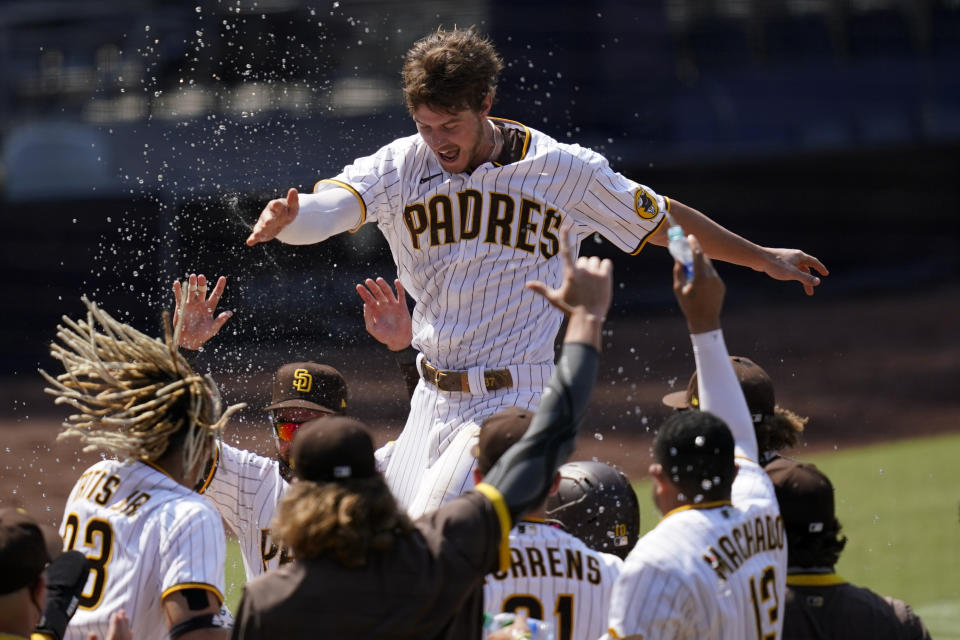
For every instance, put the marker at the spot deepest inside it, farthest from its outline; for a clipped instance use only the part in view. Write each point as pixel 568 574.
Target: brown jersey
pixel 427 586
pixel 826 607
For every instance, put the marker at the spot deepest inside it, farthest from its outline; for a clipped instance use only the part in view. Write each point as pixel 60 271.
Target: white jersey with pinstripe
pixel 465 245
pixel 146 536
pixel 555 577
pixel 712 571
pixel 245 488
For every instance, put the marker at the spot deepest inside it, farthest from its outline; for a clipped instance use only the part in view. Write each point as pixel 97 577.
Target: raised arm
pixel 701 300
pixel 722 244
pixel 308 218
pixel 524 473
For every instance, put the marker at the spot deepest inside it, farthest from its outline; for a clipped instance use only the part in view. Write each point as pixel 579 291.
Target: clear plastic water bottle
pixel 539 629
pixel 679 246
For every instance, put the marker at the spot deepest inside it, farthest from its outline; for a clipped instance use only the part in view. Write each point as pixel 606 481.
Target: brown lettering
pixel 441 219
pixel 415 218
pixel 471 207
pixel 499 219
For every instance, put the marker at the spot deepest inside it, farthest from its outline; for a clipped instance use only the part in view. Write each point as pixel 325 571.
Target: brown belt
pixel 493 379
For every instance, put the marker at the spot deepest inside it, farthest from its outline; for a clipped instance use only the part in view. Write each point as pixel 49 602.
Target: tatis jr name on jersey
pixel 524 224
pixel 757 535
pixel 99 486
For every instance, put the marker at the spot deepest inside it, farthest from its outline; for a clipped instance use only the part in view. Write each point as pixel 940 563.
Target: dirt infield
pixel 864 370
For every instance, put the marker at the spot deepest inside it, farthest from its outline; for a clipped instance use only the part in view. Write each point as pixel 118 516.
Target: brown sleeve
pixel 465 534
pixel 246 625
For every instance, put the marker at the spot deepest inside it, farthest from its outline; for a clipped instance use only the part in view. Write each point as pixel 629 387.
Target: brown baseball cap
pixel 756 384
pixel 805 495
pixel 308 385
pixel 332 449
pixel 498 433
pixel 26 547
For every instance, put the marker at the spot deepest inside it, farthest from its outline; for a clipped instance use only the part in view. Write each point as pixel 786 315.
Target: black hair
pixel 695 449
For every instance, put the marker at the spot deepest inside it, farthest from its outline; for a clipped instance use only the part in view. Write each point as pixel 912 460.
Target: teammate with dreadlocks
pixel 156 548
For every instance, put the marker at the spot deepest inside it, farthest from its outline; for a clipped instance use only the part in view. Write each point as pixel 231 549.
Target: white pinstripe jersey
pixel 557 578
pixel 245 489
pixel 713 572
pixel 465 244
pixel 146 536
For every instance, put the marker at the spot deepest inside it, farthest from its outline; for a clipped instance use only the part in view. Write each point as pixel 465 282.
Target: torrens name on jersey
pixel 551 562
pixel 521 223
pixel 730 551
pixel 98 486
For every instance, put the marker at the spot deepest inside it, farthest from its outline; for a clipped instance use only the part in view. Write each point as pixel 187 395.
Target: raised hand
pixel 701 297
pixel 199 323
pixel 793 264
pixel 587 283
pixel 386 315
pixel 275 216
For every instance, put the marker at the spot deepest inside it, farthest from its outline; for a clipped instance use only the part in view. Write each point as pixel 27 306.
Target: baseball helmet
pixel 596 503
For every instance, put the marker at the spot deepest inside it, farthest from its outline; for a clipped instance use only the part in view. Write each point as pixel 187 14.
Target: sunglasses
pixel 286 430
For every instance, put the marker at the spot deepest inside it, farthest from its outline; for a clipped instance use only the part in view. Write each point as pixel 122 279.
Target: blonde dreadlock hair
pixel 134 393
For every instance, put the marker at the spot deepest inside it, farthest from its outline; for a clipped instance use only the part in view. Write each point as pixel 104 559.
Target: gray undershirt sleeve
pixel 524 473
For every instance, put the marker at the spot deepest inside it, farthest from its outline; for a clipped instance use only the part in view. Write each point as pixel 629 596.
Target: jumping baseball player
pixel 246 487
pixel 155 547
pixel 553 575
pixel 715 566
pixel 471 208
pixel 596 503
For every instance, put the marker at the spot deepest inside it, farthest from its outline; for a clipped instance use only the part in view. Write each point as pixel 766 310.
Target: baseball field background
pixel 141 139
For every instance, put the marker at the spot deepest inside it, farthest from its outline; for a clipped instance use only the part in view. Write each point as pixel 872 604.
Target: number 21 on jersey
pixel 563 611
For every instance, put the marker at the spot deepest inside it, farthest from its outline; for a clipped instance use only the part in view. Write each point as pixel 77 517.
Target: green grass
pixel 898 504
pixel 236 575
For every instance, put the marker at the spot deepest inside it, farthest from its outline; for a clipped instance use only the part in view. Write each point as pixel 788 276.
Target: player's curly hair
pixel 779 431
pixel 450 71
pixel 137 397
pixel 347 519
pixel 822 549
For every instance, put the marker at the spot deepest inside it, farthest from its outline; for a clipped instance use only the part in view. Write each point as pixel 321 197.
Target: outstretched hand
pixel 587 283
pixel 275 216
pixel 199 324
pixel 701 297
pixel 386 315
pixel 793 264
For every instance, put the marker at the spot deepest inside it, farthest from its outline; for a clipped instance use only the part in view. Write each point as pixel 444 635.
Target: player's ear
pixel 555 485
pixel 477 476
pixel 487 102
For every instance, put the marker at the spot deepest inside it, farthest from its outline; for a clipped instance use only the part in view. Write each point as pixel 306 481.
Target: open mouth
pixel 448 156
